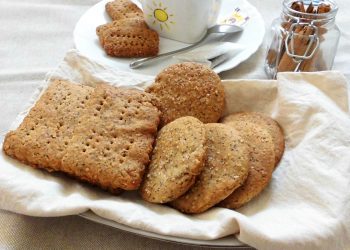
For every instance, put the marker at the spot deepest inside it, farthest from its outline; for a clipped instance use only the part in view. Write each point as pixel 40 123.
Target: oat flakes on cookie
pixel 189 89
pixel 226 168
pixel 261 163
pixel 177 159
pixel 263 120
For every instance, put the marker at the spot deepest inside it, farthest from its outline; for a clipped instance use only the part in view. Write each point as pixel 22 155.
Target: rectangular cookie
pixel 114 137
pixel 42 138
pixel 101 135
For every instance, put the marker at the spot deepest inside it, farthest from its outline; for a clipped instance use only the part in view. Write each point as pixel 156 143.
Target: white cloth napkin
pixel 306 205
pixel 211 54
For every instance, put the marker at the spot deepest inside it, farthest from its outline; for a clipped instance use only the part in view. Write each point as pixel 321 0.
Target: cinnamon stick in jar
pixel 298 6
pixel 301 41
pixel 317 63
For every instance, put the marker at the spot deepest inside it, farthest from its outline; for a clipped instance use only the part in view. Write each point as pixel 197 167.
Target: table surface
pixel 35 34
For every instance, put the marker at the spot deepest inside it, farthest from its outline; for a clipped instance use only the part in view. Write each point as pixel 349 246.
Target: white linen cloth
pixel 306 204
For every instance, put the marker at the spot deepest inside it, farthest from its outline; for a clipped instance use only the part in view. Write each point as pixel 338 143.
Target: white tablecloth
pixel 34 36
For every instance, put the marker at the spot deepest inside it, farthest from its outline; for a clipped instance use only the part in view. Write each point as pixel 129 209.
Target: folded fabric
pixel 306 205
pixel 211 54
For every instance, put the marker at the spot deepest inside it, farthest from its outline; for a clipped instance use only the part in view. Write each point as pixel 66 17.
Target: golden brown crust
pixel 271 125
pixel 226 169
pixel 261 163
pixel 112 142
pixel 122 9
pixel 136 22
pixel 128 35
pixel 41 138
pixel 103 136
pixel 177 159
pixel 189 89
pixel 124 41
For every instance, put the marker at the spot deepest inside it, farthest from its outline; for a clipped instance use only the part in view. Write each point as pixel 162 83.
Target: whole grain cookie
pixel 177 159
pixel 121 9
pixel 113 139
pixel 271 125
pixel 226 169
pixel 125 41
pixel 261 163
pixel 136 22
pixel 189 89
pixel 101 135
pixel 41 139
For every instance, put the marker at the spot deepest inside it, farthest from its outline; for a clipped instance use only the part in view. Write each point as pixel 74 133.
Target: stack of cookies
pixel 198 163
pixel 128 34
pixel 105 136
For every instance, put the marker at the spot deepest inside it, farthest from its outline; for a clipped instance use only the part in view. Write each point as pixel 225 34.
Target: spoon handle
pixel 137 63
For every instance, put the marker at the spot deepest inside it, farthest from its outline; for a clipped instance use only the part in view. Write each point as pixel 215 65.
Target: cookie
pixel 189 89
pixel 261 163
pixel 41 139
pixel 128 35
pixel 271 125
pixel 226 168
pixel 122 9
pixel 135 22
pixel 177 159
pixel 101 135
pixel 128 41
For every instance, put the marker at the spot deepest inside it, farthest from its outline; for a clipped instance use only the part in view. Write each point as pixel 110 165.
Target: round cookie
pixel 271 125
pixel 261 163
pixel 189 89
pixel 178 157
pixel 226 169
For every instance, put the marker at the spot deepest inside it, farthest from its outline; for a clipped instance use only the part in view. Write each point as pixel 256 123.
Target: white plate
pixel 226 242
pixel 87 43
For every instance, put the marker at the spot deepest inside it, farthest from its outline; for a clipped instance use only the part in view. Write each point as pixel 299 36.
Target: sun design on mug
pixel 161 16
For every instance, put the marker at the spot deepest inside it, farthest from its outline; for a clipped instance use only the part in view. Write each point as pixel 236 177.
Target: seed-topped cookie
pixel 177 159
pixel 226 168
pixel 261 163
pixel 262 120
pixel 189 89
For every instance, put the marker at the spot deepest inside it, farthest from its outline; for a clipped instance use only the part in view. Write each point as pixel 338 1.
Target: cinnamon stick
pixel 301 40
pixel 317 63
pixel 323 8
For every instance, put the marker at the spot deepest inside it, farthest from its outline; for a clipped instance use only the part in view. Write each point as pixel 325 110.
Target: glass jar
pixel 304 38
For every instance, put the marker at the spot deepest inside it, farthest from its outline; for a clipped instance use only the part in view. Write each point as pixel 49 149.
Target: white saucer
pixel 87 43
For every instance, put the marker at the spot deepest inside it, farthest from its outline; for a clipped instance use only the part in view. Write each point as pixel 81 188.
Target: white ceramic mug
pixel 182 20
